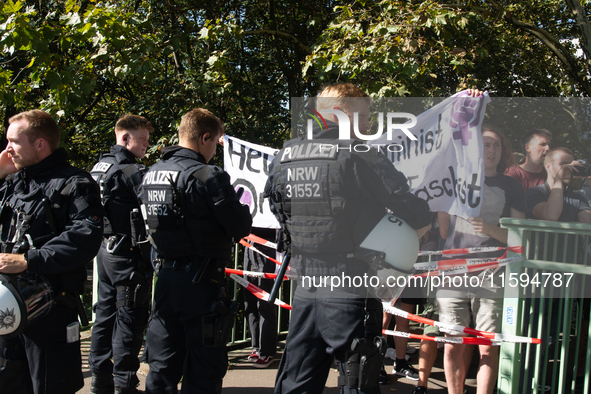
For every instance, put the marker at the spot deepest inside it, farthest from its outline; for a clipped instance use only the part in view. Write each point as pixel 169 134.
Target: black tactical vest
pixel 44 209
pixel 177 230
pixel 310 190
pixel 29 205
pixel 117 194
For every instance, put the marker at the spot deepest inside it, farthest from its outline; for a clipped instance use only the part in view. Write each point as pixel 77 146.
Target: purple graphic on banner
pixel 246 198
pixel 249 194
pixel 465 115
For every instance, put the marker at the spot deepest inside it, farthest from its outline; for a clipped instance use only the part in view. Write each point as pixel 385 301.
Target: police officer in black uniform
pixel 327 200
pixel 125 276
pixel 192 213
pixel 50 223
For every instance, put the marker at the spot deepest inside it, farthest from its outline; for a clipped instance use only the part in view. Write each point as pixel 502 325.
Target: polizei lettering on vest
pixel 302 174
pixel 308 151
pixel 160 177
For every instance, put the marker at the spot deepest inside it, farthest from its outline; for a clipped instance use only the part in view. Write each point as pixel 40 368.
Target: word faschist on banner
pixel 444 164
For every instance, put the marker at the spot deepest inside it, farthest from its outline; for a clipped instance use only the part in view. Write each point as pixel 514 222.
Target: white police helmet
pixel 24 298
pixel 12 309
pixel 391 250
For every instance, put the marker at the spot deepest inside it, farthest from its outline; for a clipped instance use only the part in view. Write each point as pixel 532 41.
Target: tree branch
pixel 189 50
pixel 570 63
pixel 584 26
pixel 177 63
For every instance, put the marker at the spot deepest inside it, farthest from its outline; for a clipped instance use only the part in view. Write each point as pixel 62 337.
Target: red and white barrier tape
pixel 470 331
pixel 514 249
pixel 448 252
pixel 468 268
pixel 492 337
pixel 442 264
pixel 254 274
pixel 261 241
pixel 454 340
pixel 258 292
pixel 250 246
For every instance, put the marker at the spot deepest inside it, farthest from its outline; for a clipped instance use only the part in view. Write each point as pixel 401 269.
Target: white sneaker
pixel 408 371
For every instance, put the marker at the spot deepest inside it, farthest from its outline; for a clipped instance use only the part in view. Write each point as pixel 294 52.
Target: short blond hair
pixel 197 122
pixel 130 122
pixel 332 96
pixel 40 124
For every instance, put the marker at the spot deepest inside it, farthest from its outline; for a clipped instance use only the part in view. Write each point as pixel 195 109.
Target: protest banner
pixel 248 166
pixel 444 163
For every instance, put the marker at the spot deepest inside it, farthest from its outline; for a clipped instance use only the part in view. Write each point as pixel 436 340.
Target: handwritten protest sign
pixel 444 164
pixel 248 166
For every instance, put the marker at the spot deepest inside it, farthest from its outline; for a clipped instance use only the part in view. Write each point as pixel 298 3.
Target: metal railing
pixel 542 302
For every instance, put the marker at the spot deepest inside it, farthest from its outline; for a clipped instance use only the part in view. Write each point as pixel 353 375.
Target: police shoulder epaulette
pixel 66 190
pixel 129 170
pixel 71 181
pixel 202 174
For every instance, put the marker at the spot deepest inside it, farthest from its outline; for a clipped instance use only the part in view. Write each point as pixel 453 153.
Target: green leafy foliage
pixel 423 48
pixel 88 62
pixel 435 48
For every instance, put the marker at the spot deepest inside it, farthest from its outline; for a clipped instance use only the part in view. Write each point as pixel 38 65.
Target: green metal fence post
pixel 510 353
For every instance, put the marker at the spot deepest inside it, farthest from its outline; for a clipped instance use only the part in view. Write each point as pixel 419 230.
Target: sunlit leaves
pixel 437 47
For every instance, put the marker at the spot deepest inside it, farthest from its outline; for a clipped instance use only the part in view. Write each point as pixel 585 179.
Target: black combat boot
pixel 123 390
pixel 102 383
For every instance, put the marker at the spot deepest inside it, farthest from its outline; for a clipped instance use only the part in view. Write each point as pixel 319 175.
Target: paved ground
pixel 242 378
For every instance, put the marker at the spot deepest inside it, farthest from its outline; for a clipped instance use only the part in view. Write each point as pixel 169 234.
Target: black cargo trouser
pixel 321 329
pixel 117 333
pixel 174 340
